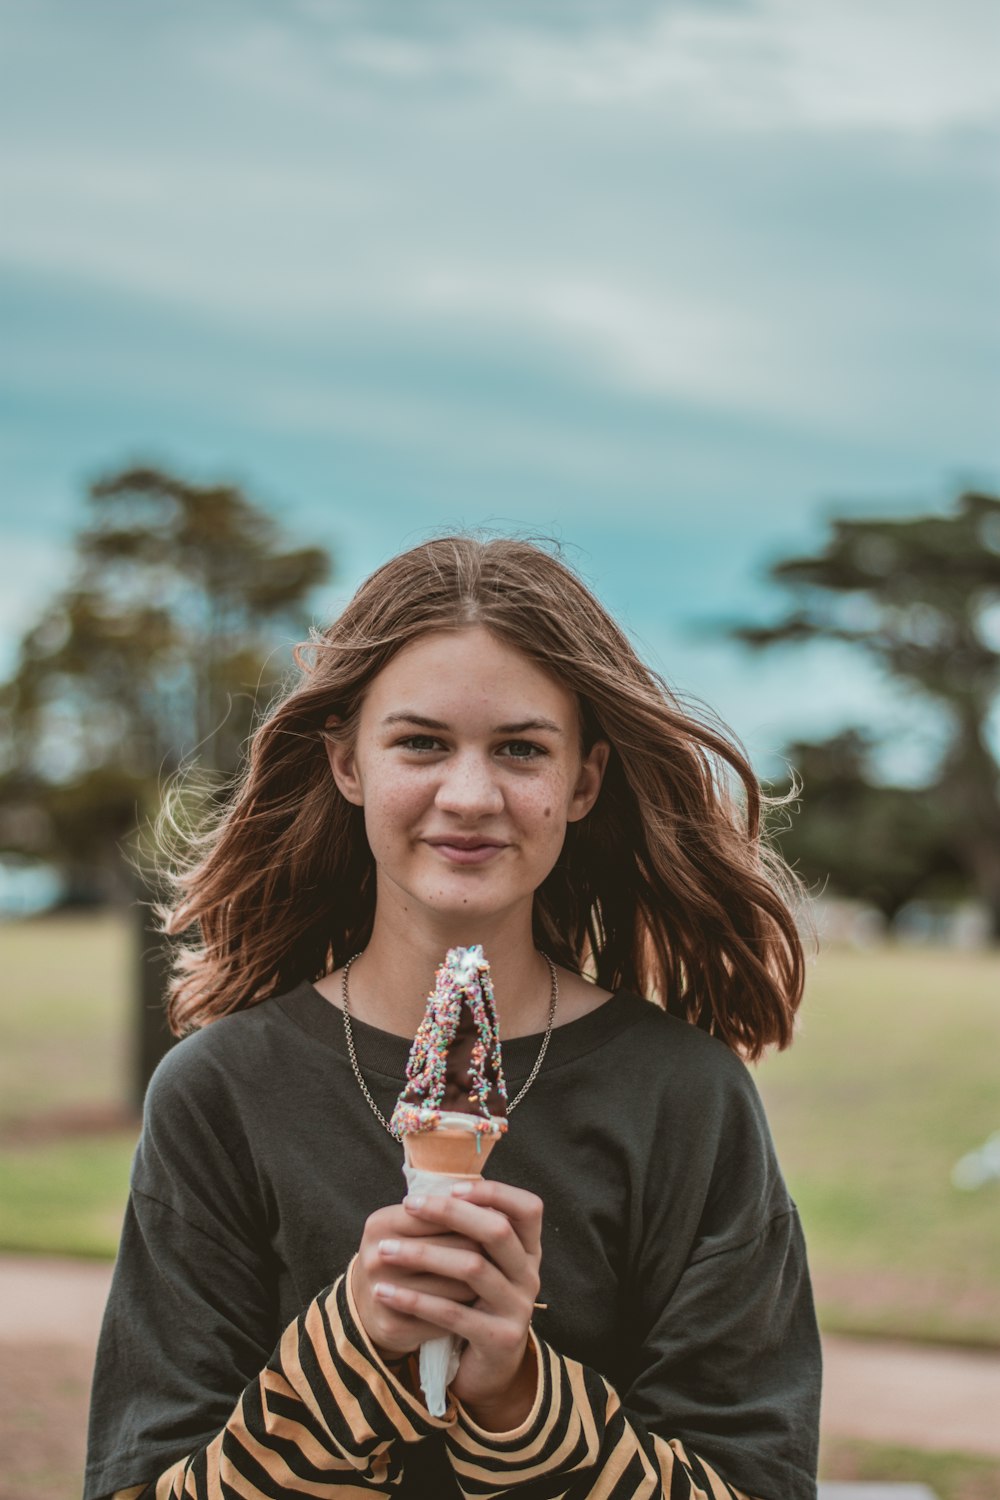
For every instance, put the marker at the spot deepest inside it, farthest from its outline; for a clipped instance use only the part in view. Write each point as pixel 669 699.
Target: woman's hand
pixel 493 1250
pixel 393 1331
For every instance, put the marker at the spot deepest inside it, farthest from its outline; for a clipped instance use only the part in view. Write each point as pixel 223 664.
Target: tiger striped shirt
pixel 328 1418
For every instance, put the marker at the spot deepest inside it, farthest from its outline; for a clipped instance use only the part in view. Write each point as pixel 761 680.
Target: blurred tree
pixel 156 654
pixel 880 844
pixel 922 596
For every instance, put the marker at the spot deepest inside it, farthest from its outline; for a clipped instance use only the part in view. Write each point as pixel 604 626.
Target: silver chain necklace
pixel 553 1002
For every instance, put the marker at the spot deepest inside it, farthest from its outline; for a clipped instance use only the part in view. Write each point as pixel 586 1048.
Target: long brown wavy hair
pixel 667 887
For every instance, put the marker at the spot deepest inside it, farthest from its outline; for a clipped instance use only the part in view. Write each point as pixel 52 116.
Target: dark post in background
pixel 151 1036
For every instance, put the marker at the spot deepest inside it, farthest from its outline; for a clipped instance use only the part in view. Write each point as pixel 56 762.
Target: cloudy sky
pixel 672 282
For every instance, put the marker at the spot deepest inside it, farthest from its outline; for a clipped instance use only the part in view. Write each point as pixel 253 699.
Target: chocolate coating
pixel 455 1064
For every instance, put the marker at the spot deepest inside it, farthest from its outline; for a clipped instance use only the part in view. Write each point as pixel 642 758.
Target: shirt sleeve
pixel 727 1372
pixel 325 1415
pixel 718 1391
pixel 578 1440
pixel 198 1388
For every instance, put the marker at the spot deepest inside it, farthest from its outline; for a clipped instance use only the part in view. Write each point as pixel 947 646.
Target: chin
pixel 470 903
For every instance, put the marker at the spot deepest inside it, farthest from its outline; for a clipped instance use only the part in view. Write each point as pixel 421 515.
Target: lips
pixel 465 851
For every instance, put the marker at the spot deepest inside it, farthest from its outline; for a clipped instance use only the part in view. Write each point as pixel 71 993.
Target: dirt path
pixel 913 1395
pixel 49 1301
pixel 50 1313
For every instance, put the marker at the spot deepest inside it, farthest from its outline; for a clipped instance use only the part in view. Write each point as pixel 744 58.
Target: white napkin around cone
pixel 438 1357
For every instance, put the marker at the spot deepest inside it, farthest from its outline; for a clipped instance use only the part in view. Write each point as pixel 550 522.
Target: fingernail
pixel 414 1200
pixel 385 1290
pixel 461 1189
pixel 388 1247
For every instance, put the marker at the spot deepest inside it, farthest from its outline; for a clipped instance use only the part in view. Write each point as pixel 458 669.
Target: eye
pixel 523 750
pixel 419 743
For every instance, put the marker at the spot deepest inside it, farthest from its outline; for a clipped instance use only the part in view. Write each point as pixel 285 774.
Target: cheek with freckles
pixel 392 808
pixel 541 813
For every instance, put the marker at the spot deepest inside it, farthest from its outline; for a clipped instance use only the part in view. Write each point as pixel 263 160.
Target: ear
pixel 340 754
pixel 589 781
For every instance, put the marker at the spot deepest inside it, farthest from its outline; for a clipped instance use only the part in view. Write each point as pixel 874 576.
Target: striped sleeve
pixel 578 1441
pixel 325 1416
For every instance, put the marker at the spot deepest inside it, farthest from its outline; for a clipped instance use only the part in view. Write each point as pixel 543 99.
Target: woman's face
pixel 468 765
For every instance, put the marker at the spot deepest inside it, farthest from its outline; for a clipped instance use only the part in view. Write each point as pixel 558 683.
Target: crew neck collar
pixel 386 1053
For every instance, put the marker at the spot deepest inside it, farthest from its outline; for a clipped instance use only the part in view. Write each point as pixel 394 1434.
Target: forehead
pixel 443 674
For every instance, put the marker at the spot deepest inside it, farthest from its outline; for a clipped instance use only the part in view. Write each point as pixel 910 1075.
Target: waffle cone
pixel 457 1153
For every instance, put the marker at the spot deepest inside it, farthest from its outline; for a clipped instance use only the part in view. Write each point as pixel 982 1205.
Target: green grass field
pixel 892 1078
pixel 894 1075
pixel 64 1058
pixel 950 1476
pixel 63 1017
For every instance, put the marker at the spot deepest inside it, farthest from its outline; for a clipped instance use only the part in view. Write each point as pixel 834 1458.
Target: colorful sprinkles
pixel 462 980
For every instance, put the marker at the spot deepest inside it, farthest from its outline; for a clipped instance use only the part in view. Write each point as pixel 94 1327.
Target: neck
pixel 391 981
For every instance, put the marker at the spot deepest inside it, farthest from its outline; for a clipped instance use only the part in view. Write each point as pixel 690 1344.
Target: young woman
pixel 474 754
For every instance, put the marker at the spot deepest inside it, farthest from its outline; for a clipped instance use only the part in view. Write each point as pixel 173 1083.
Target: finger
pixel 403 1262
pixel 390 1329
pixel 523 1209
pixel 493 1231
pixel 396 1221
pixel 479 1327
pixel 435 1286
pixel 373 1261
pixel 478 1277
pixel 450 1241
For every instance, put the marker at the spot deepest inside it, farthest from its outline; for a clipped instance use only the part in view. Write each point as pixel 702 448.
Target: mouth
pixel 466 851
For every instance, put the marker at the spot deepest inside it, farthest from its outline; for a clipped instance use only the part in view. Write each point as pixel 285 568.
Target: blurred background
pixel 704 292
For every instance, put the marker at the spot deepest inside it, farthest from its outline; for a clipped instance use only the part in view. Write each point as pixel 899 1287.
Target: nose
pixel 468 787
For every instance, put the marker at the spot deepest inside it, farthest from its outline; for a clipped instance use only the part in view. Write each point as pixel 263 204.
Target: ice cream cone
pixel 455 1153
pixel 452 1111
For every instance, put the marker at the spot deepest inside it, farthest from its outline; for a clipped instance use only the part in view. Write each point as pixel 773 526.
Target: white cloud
pixel 890 64
pixel 601 196
pixel 897 65
pixel 646 338
pixel 432 425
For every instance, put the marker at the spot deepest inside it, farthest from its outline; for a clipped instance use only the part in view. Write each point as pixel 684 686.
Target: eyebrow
pixel 523 725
